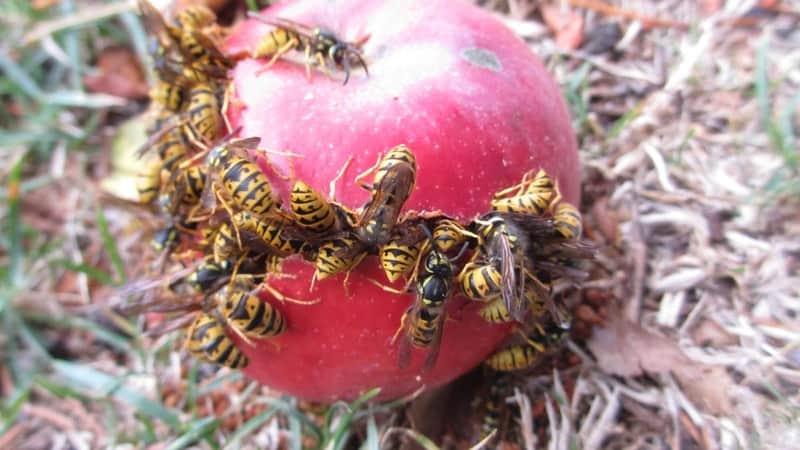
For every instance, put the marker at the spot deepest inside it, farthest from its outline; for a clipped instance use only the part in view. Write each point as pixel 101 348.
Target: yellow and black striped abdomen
pixel 225 243
pixel 567 221
pixel 251 316
pixel 171 149
pixel 203 112
pixel 148 181
pixel 400 154
pixel 279 39
pixel 515 357
pixel 495 311
pixel 448 234
pixel 480 282
pixel 397 259
pixel 248 186
pixel 424 326
pixel 195 17
pixel 311 209
pixel 207 340
pixel 170 96
pixel 337 255
pixel 536 203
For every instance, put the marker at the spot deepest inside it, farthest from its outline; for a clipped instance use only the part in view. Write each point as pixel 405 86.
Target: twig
pixel 647 21
pixel 87 15
pixel 7 439
pixel 57 419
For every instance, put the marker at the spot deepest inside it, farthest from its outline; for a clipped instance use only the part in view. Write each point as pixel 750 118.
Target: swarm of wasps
pixel 219 203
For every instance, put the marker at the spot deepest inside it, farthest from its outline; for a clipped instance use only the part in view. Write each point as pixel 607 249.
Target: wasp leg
pixel 520 187
pixel 367 172
pixel 284 298
pixel 339 175
pixel 401 327
pixel 291 43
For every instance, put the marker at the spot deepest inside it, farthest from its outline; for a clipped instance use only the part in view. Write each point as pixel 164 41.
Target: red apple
pixel 477 108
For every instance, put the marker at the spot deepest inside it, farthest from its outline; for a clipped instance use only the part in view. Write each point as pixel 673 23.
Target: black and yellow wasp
pixel 321 47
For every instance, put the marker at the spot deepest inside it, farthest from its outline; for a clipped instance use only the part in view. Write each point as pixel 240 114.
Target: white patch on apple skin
pixel 482 58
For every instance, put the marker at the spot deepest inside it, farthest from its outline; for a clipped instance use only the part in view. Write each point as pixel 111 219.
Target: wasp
pixel 148 181
pixel 567 221
pixel 423 322
pixel 522 356
pixel 165 239
pixel 534 196
pixel 480 282
pixel 203 113
pixel 315 213
pixel 501 245
pixel 206 339
pixel 187 37
pixel 449 234
pixel 324 45
pixel 394 179
pixel 338 255
pixel 171 96
pixel 397 259
pixel 241 178
pixel 495 310
pixel 249 315
pixel 185 187
pixel 254 231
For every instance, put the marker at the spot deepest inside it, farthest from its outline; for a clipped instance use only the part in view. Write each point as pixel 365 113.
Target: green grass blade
pixel 191 387
pixel 252 424
pixel 85 378
pixel 14 237
pixel 342 432
pixel 111 246
pixel 372 442
pixel 199 429
pixel 292 412
pixel 19 77
pixel 761 82
pixel 12 406
pixel 118 341
pixel 78 99
pixel 295 431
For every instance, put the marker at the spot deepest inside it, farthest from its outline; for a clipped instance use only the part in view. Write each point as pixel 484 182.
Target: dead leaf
pixel 119 74
pixel 710 333
pixel 566 25
pixel 606 219
pixel 626 349
pixel 708 386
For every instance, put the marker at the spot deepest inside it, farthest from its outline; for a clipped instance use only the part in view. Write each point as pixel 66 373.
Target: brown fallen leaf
pixel 627 349
pixel 119 74
pixel 707 386
pixel 566 25
pixel 709 333
pixel 606 219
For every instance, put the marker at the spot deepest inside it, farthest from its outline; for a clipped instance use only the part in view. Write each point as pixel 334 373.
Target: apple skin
pixel 477 108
